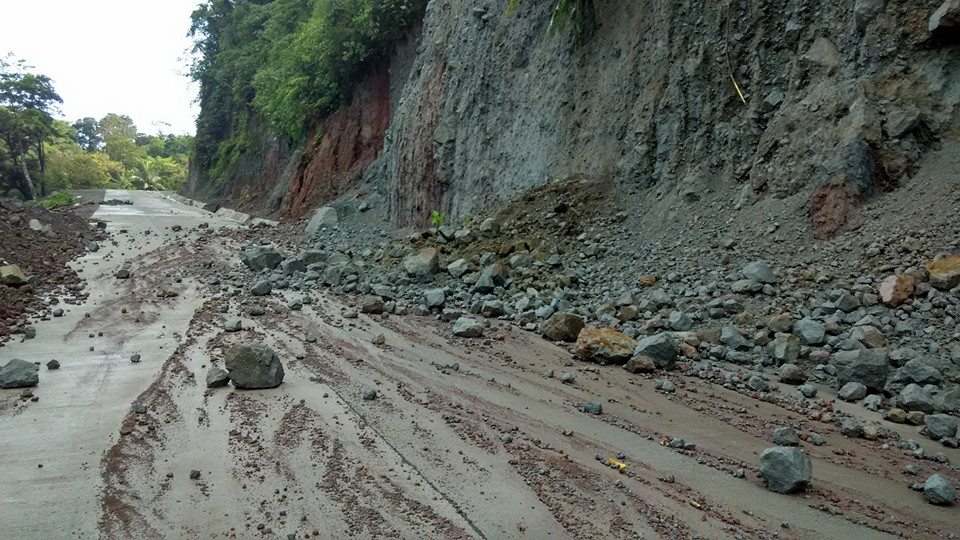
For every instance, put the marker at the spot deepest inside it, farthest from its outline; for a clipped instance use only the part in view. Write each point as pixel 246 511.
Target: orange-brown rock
pixel 604 346
pixel 896 289
pixel 945 272
pixel 647 281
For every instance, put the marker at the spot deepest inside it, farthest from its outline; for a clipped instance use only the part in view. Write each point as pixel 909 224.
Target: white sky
pixel 121 56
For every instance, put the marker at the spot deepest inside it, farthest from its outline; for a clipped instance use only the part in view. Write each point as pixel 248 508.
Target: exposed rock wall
pixel 820 103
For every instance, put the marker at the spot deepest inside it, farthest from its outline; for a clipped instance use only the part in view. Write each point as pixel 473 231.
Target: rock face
pixel 785 469
pixel 259 258
pixel 945 271
pixel 938 490
pixel 18 374
pixel 604 346
pixel 563 326
pixel 253 367
pixel 12 275
pixel 422 264
pixel 325 216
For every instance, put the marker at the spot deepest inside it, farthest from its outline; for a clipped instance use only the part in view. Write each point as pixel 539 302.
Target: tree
pixel 26 103
pixel 87 134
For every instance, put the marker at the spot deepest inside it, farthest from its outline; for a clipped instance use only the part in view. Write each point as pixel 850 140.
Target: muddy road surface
pixel 387 426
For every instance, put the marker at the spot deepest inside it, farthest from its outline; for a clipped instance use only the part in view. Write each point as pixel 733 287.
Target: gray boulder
pixel 434 298
pixel 261 288
pixel 422 264
pixel 949 400
pixel 759 271
pixel 13 276
pixel 792 374
pixel 852 391
pixel 217 377
pixel 661 349
pixel 938 490
pixel 259 258
pixel 784 348
pixel 468 328
pixel 914 397
pixel 19 374
pixel 785 469
pixel 680 321
pixel 254 366
pixel 563 326
pixel 785 436
pixel 809 331
pixel 941 426
pixel 458 267
pixel 868 367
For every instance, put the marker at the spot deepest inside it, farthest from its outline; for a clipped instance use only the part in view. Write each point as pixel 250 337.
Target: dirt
pixel 43 257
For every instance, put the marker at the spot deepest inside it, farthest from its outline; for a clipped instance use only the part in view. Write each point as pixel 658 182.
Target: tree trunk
pixel 27 188
pixel 43 169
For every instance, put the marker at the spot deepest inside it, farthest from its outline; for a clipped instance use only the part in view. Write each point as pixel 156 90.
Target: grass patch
pixel 56 200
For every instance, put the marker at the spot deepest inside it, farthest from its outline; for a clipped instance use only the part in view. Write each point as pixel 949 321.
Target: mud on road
pixel 465 439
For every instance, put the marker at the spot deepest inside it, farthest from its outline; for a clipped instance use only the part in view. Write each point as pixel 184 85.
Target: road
pixel 466 439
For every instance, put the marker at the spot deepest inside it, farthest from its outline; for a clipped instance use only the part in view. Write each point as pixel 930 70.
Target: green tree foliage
pixel 27 101
pixel 87 134
pixel 289 61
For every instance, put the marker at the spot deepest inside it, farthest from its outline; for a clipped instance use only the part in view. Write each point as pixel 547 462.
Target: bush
pixel 56 200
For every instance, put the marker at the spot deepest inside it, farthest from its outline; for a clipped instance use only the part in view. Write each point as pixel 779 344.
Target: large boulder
pixel 914 397
pixel 868 367
pixel 254 366
pixel 325 216
pixel 810 332
pixel 661 349
pixel 941 426
pixel 759 271
pixel 785 469
pixel 945 271
pixel 563 326
pixel 422 264
pixel 467 327
pixel 604 346
pixel 12 275
pixel 938 490
pixel 18 374
pixel 259 258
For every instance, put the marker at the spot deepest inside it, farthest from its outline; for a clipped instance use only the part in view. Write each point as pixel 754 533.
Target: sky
pixel 120 56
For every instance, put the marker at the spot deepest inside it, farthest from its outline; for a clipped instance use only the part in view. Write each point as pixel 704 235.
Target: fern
pixel 581 14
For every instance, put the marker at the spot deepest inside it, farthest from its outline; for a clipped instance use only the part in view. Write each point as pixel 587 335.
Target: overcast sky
pixel 121 56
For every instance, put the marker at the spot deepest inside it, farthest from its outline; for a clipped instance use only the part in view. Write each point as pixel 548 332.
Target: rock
pixel 254 366
pixel 592 407
pixel 468 328
pixel 661 349
pixel 665 385
pixel 785 348
pixel 562 326
pixel 868 367
pixel 824 53
pixel 233 325
pixel 945 271
pixel 53 364
pixel 792 374
pixel 122 273
pixel 759 271
pixel 640 364
pixel 937 490
pixel 785 436
pixel 680 321
pixel 896 415
pixel 567 377
pixel 19 374
pixel 865 11
pixel 915 371
pixel 370 395
pixel 852 391
pixel 780 323
pixel 946 19
pixel 731 337
pixel 259 258
pixel 851 427
pixel 941 426
pixel 869 336
pixel 873 402
pixel 422 264
pixel 808 391
pixel 261 288
pixel 135 358
pixel 914 397
pixel 371 305
pixel 217 377
pixel 604 346
pixel 949 400
pixel 194 474
pixel 12 276
pixel 810 332
pixel 434 298
pixel 458 268
pixel 896 289
pixel 785 469
pixel 325 216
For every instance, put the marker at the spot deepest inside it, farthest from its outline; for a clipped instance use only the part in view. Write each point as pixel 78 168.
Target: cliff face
pixel 817 103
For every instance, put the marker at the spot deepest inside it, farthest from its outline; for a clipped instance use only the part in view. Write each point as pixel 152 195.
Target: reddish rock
pixel 896 289
pixel 604 346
